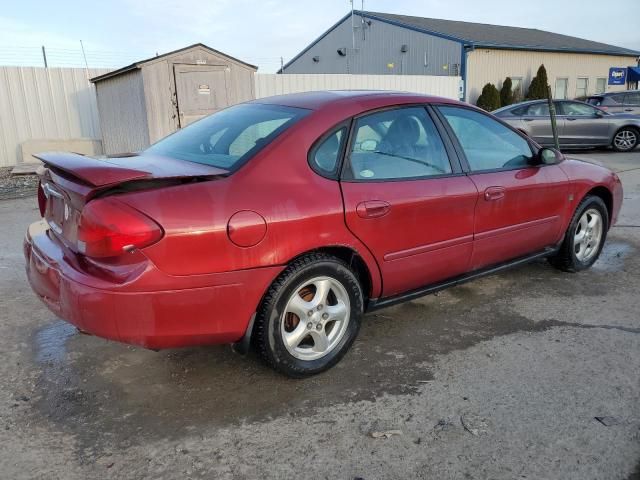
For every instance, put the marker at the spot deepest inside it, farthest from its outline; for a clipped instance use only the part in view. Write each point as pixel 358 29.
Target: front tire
pixel 585 236
pixel 625 139
pixel 310 316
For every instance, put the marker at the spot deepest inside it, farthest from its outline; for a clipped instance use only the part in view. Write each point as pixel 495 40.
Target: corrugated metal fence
pixel 40 103
pixel 60 103
pixel 274 84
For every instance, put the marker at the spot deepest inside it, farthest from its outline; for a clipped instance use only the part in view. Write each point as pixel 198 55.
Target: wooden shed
pixel 147 100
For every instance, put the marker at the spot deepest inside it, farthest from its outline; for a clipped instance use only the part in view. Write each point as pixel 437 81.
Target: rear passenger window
pixel 617 98
pixel 324 156
pixel 394 144
pixel 632 98
pixel 538 109
pixel 487 144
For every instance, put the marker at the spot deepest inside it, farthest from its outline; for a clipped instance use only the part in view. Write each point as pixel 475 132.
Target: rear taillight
pixel 109 228
pixel 42 199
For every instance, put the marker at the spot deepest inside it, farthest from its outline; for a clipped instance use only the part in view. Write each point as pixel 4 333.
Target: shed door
pixel 201 91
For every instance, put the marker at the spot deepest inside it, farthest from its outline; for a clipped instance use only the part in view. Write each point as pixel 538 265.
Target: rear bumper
pixel 211 309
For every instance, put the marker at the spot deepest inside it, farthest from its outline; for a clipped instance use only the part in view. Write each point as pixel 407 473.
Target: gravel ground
pixel 502 378
pixel 16 186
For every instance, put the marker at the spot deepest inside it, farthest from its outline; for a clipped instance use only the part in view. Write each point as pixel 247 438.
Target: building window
pixel 582 85
pixel 516 88
pixel 601 85
pixel 561 88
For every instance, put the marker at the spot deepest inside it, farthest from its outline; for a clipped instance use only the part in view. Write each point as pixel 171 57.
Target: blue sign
pixel 617 75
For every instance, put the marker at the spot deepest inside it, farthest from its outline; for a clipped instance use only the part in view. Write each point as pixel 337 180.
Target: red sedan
pixel 278 222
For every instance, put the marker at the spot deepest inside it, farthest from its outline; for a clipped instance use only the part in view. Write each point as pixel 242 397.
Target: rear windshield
pixel 230 137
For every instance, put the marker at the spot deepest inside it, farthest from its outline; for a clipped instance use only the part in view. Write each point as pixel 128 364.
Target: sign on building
pixel 617 75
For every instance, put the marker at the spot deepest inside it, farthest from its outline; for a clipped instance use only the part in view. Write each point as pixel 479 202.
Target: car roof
pixel 349 98
pixel 608 94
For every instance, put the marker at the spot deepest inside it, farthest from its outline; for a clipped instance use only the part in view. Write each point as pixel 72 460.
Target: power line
pixel 37 56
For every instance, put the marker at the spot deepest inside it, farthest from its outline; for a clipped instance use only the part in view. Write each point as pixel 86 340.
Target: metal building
pixel 147 100
pixel 376 43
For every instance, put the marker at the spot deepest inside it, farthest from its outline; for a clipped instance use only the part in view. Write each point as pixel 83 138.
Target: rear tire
pixel 585 237
pixel 310 316
pixel 626 139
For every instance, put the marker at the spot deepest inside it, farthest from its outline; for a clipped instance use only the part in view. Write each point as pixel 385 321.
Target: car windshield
pixel 229 138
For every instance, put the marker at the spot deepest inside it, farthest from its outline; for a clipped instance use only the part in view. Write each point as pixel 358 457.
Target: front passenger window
pixel 487 144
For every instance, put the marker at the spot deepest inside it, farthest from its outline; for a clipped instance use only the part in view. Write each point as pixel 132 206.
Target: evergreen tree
pixel 506 93
pixel 539 85
pixel 489 100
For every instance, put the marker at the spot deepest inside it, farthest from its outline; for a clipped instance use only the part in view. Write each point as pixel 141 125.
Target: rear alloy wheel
pixel 310 316
pixel 315 318
pixel 625 140
pixel 585 236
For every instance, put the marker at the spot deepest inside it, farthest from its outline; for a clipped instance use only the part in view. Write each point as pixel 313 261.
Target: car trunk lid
pixel 69 180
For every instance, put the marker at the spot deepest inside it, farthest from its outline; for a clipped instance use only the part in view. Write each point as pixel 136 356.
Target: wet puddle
pixel 613 256
pixel 50 342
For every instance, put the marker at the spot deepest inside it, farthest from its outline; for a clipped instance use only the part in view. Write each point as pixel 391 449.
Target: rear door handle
pixel 528 119
pixel 373 209
pixel 571 119
pixel 494 193
pixel 628 109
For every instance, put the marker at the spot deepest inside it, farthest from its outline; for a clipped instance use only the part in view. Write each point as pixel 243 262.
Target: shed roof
pixel 139 64
pixel 500 36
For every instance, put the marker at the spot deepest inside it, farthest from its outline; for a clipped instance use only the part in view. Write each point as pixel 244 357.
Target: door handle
pixel 528 119
pixel 373 209
pixel 571 119
pixel 494 193
pixel 628 109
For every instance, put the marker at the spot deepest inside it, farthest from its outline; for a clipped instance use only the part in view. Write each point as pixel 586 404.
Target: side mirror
pixel 549 156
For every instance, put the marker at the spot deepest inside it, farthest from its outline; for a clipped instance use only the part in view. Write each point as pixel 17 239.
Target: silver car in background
pixel 580 125
pixel 617 102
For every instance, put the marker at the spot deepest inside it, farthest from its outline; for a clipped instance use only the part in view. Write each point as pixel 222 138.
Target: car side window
pixel 399 143
pixel 324 156
pixel 487 144
pixel 632 98
pixel 617 98
pixel 538 109
pixel 577 109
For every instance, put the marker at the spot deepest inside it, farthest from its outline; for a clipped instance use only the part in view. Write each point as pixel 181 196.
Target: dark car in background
pixel 580 125
pixel 617 102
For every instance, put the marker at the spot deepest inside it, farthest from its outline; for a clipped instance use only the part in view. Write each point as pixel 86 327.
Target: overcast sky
pixel 260 32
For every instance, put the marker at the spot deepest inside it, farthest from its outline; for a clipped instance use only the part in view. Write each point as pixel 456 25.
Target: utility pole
pixel 44 57
pixel 552 114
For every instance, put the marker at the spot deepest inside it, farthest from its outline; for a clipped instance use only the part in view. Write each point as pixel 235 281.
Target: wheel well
pixel 628 127
pixel 606 196
pixel 355 261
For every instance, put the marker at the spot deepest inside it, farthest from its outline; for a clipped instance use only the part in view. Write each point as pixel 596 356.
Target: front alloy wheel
pixel 588 234
pixel 584 239
pixel 625 140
